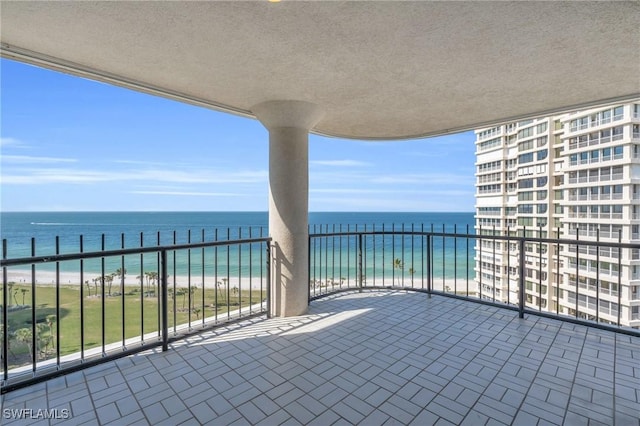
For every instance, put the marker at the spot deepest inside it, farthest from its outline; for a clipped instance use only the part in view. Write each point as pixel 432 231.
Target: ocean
pixel 147 228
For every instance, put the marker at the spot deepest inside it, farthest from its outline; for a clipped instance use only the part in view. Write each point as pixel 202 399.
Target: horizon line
pixel 225 211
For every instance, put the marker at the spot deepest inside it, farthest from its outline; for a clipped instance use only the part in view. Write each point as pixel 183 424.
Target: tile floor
pixel 378 357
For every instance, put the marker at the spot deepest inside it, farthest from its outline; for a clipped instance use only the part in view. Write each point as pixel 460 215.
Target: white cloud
pixel 206 176
pixel 39 176
pixel 417 191
pixel 443 204
pixel 141 163
pixel 188 193
pixel 340 163
pixel 44 176
pixel 425 179
pixel 28 159
pixel 5 142
pixel 422 191
pixel 346 191
pixel 417 180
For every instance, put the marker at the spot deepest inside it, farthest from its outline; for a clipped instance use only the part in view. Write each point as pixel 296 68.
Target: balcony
pixel 364 358
pixel 392 334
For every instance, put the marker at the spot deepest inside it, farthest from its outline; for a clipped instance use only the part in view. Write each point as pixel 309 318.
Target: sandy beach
pixel 449 284
pixel 73 278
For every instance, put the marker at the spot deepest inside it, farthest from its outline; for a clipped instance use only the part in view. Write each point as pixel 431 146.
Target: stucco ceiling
pixel 380 70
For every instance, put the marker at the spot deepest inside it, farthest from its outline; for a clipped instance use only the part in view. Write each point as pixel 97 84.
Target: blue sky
pixel 71 144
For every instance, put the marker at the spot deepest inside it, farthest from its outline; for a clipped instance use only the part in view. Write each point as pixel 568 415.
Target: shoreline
pixel 23 277
pixel 73 279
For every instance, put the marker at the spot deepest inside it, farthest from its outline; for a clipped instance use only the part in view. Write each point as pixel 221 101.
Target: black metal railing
pixel 568 279
pixel 73 309
pixel 63 312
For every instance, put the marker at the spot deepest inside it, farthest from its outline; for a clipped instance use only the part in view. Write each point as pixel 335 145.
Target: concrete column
pixel 289 123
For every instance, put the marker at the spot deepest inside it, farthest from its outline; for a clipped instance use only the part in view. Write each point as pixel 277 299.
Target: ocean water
pixel 136 229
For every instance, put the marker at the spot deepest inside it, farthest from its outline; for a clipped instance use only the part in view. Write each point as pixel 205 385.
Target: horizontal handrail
pixel 484 237
pixel 124 252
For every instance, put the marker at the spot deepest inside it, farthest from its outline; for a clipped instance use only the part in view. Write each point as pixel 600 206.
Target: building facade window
pixel 542 154
pixel 525 183
pixel 541 128
pixel 525 158
pixel 492 143
pixel 524 133
pixel 525 146
pixel 525 196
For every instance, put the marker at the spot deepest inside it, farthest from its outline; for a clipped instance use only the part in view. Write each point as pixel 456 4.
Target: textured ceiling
pixel 380 70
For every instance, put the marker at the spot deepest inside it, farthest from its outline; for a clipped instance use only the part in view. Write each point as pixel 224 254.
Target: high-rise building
pixel 571 175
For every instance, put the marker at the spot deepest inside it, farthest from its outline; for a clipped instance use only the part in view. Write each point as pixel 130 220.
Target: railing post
pixel 481 268
pixel 122 301
pixel 521 278
pixel 57 340
pixel 34 336
pixel 493 269
pixel 508 245
pixel 444 284
pixel 82 328
pixel 557 266
pixel 597 275
pixel 466 262
pixel 619 277
pixel 308 266
pixel 5 322
pixel 429 265
pixel 540 271
pixel 165 304
pixel 360 261
pixel 268 244
pixel 455 259
pixel 578 271
pixel 102 295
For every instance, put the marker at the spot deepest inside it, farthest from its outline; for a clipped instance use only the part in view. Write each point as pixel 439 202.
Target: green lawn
pixel 134 303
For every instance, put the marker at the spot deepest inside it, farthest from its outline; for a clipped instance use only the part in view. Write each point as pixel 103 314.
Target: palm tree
pixel 24 292
pixel 152 277
pixel 182 291
pixel 219 289
pixel 15 295
pixel 147 276
pixel 397 264
pixel 226 286
pixel 109 280
pixel 411 273
pixel 120 273
pixel 96 280
pixel 88 287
